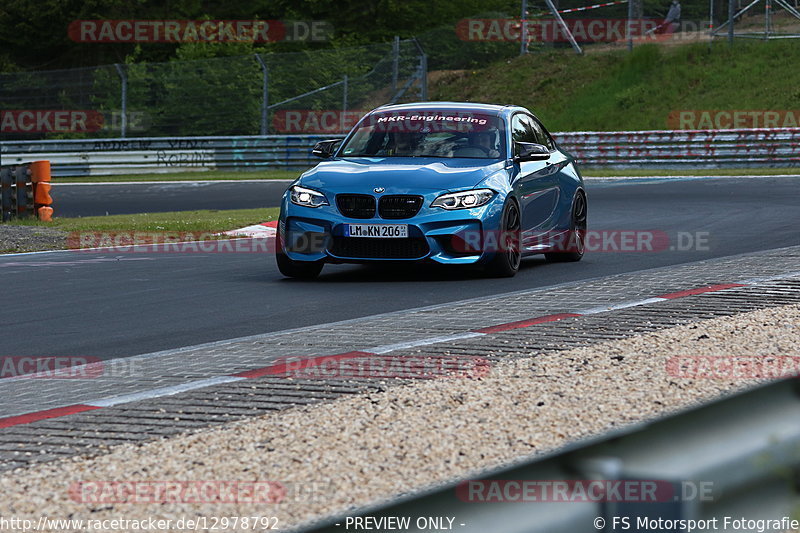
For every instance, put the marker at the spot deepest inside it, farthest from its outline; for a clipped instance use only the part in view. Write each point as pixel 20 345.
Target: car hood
pixel 399 174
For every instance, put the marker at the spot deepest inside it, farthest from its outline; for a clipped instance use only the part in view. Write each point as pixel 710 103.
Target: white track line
pixel 622 305
pixel 163 391
pixel 386 348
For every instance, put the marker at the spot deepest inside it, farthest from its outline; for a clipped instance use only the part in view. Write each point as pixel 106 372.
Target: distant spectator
pixel 673 20
pixel 674 14
pixel 524 26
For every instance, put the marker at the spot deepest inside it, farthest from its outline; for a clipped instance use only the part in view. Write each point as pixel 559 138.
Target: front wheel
pixel 298 269
pixel 505 263
pixel 576 243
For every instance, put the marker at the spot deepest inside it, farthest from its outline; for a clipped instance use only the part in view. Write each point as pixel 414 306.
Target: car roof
pixel 490 109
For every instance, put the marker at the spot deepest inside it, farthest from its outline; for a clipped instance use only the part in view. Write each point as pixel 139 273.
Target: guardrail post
pixel 123 78
pixel 264 95
pixel 731 15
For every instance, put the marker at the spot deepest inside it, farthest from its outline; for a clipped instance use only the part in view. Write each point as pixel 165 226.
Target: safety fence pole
pixel 123 79
pixel 344 104
pixel 395 62
pixel 264 95
pixel 523 45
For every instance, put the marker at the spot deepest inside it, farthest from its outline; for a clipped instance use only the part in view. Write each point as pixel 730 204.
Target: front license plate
pixel 381 231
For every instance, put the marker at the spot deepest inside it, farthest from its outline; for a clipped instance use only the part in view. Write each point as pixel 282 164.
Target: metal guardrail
pixel 158 155
pixel 736 457
pixel 778 147
pixel 627 149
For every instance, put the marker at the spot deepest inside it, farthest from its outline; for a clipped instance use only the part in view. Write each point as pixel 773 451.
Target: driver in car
pixel 404 144
pixel 485 141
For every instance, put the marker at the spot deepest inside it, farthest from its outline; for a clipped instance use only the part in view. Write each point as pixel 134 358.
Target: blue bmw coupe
pixel 452 183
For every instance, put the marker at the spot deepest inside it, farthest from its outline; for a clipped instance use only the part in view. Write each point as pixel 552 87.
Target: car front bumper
pixel 454 237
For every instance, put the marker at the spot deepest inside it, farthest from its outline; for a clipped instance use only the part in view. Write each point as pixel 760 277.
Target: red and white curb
pixel 265 229
pixel 280 368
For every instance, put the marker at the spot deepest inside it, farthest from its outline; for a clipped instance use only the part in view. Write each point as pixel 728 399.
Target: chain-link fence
pixel 319 91
pixel 326 91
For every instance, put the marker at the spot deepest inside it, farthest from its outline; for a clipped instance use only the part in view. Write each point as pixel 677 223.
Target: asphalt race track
pixel 89 199
pixel 138 303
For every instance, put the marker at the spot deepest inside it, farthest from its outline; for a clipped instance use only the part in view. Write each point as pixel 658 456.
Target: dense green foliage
pixel 216 88
pixel 33 33
pixel 621 91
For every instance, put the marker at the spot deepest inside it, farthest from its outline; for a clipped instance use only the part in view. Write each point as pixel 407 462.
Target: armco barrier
pixel 679 149
pixel 150 155
pixel 779 147
pixel 735 457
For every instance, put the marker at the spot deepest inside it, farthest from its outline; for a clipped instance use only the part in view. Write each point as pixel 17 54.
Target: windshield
pixel 446 134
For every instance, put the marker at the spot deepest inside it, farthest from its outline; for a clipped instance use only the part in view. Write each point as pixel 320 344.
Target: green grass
pixel 188 176
pixel 173 221
pixel 617 90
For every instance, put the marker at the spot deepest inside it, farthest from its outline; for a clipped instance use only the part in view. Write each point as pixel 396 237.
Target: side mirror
pixel 531 152
pixel 325 149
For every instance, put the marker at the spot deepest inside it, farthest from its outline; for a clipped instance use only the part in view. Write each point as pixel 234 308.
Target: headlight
pixel 307 197
pixel 464 199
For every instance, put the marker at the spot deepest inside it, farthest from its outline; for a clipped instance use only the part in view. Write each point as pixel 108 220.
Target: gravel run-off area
pixel 363 449
pixel 15 239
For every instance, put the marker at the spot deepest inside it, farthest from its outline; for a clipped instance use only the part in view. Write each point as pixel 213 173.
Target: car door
pixel 536 184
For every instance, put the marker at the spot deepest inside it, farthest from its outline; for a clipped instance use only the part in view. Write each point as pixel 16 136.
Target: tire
pixel 505 263
pixel 295 269
pixel 298 269
pixel 577 233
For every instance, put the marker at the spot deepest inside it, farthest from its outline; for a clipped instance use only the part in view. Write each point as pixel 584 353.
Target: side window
pixel 522 131
pixel 543 136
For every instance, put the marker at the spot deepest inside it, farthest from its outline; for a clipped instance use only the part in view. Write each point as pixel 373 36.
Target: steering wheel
pixel 487 151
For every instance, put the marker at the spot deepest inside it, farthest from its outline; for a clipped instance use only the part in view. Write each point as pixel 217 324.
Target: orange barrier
pixel 40 177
